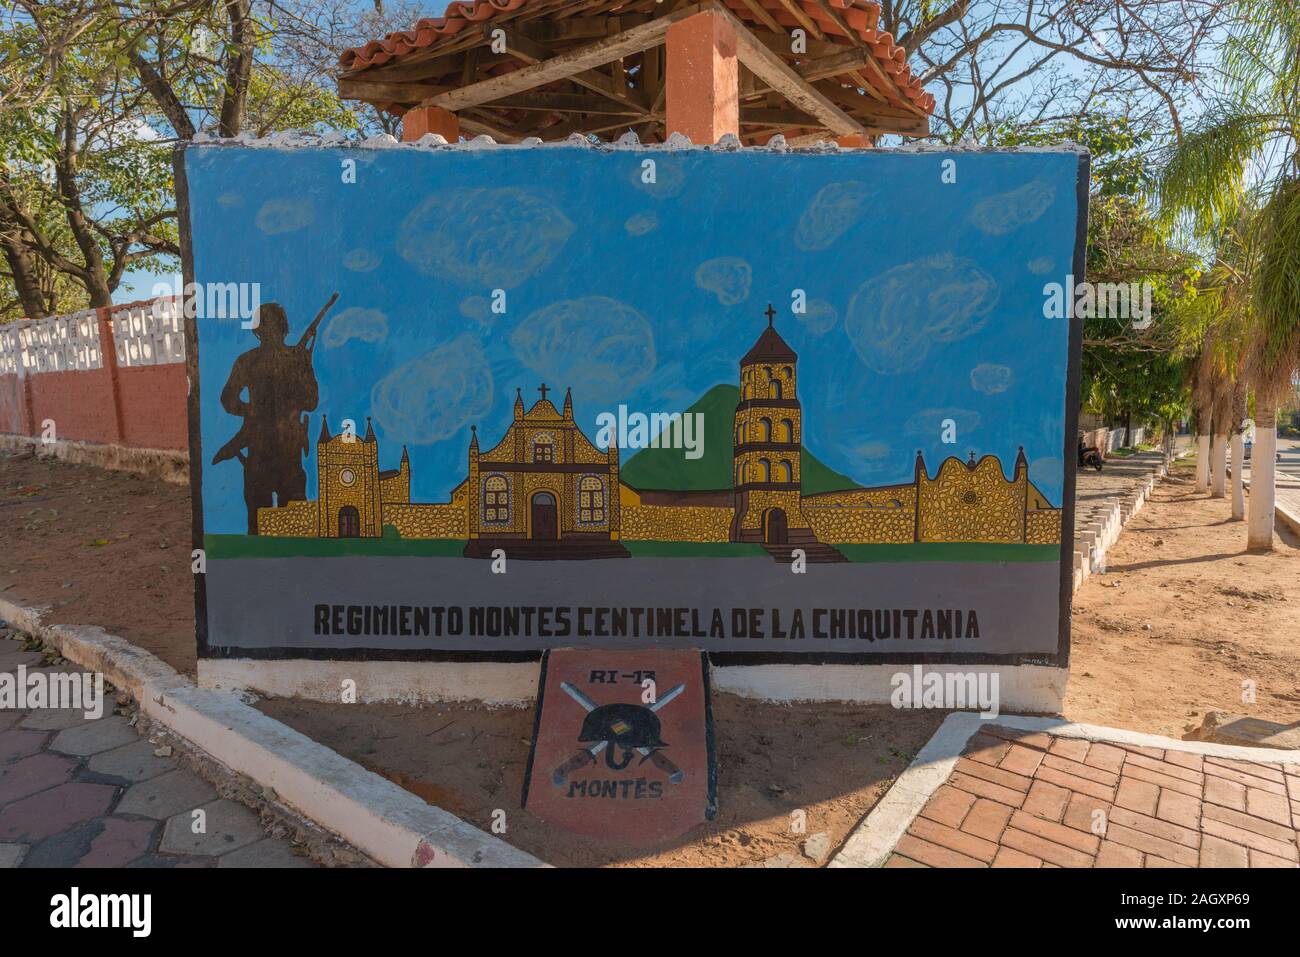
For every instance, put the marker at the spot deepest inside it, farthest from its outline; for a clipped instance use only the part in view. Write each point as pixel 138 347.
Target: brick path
pixel 83 793
pixel 1030 799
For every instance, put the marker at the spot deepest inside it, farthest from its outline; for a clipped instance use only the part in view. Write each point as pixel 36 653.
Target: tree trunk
pixel 1219 444
pixel 22 268
pixel 1202 450
pixel 1128 430
pixel 1259 524
pixel 1219 462
pixel 1238 450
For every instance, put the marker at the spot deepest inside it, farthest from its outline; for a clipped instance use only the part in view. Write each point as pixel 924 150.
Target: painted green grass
pixel 249 546
pixel 952 552
pixel 252 546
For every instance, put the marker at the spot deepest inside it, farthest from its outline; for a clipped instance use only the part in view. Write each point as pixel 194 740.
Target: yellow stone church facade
pixel 547 491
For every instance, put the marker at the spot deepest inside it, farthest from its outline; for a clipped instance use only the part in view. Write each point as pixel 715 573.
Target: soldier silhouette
pixel 282 390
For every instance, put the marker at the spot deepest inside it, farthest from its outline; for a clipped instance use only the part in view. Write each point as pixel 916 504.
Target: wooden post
pixel 702 84
pixel 430 119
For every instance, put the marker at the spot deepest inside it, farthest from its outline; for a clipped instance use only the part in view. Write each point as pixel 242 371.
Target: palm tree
pixel 1247 147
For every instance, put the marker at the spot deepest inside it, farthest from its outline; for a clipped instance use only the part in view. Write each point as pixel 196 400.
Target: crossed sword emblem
pixel 588 755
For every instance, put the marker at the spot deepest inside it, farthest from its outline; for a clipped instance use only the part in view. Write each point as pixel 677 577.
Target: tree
pixel 86 190
pixel 1132 368
pixel 1247 148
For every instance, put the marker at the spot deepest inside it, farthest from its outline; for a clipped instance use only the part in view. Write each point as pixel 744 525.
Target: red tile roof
pixel 861 16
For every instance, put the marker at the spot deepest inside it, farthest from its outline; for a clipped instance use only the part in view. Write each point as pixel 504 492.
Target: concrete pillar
pixel 858 140
pixel 702 81
pixel 430 119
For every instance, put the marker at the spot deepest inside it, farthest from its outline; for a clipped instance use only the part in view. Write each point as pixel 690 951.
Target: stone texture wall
pixel 963 504
pixel 427 521
pixel 856 524
pixel 676 523
pixel 295 520
pixel 1043 526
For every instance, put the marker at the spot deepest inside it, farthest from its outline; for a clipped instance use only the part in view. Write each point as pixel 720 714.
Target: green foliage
pixel 1242 157
pixel 126 82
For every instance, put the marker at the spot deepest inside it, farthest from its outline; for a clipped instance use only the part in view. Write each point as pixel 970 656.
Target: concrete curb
pixel 391 825
pixel 872 841
pixel 1102 523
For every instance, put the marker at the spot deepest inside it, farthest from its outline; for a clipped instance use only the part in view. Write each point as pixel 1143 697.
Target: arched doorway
pixel 775 528
pixel 349 522
pixel 544 524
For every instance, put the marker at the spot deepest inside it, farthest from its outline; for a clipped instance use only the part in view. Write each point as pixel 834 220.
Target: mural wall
pixel 761 403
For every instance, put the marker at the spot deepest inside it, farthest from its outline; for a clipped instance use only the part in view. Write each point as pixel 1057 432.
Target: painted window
pixel 775 386
pixel 591 500
pixel 765 427
pixel 784 472
pixel 764 470
pixel 787 431
pixel 496 499
pixel 544 448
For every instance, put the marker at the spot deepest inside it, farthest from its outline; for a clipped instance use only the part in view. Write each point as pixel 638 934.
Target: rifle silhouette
pixel 303 349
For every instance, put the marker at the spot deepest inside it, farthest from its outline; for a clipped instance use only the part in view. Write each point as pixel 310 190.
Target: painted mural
pixel 498 401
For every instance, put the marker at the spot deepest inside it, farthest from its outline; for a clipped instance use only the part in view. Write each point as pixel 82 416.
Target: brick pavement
pixel 93 793
pixel 1031 799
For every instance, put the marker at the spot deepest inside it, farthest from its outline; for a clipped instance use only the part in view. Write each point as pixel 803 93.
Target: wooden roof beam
pixel 565 65
pixel 778 74
pixel 529 51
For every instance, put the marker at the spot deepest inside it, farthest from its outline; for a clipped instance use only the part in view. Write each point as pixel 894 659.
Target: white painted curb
pixel 874 839
pixel 391 825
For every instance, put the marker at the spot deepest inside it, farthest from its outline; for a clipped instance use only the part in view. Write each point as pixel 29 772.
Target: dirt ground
pixel 112 549
pixel 1182 617
pixel 833 762
pixel 99 548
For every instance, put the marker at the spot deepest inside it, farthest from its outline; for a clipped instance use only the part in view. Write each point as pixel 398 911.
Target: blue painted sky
pixel 924 299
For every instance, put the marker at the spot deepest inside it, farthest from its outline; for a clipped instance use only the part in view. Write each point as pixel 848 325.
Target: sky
pixel 924 298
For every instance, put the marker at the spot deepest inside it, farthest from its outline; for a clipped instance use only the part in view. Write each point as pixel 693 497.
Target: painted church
pixel 546 491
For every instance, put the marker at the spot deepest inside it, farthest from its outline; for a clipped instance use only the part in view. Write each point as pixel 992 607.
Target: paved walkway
pixel 1031 799
pixel 93 793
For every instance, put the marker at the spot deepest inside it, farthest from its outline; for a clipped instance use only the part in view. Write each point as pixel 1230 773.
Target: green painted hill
pixel 670 469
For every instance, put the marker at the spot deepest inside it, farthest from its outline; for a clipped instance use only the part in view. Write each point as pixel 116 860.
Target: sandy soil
pixel 1218 616
pixel 101 548
pixel 833 762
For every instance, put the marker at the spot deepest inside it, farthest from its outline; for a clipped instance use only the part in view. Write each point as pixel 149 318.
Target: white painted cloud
pixel 436 395
pixel 1041 266
pixel 361 260
pixel 819 318
pixel 726 277
pixel 493 238
pixel 368 325
pixel 639 224
pixel 599 346
pixel 835 208
pixel 894 318
pixel 990 378
pixel 1006 212
pixel 285 216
